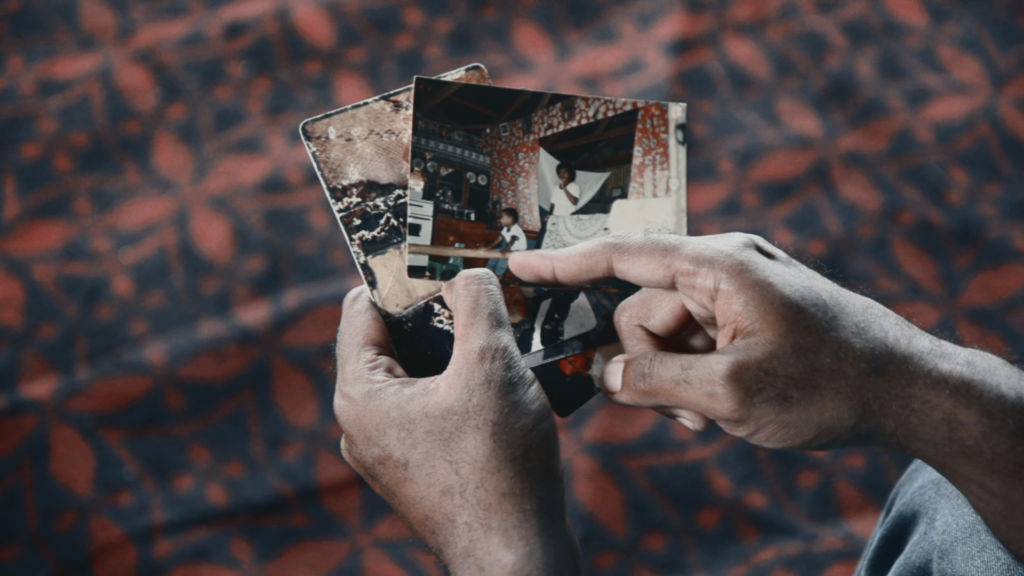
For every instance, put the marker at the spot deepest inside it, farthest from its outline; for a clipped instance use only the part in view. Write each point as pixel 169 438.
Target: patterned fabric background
pixel 514 180
pixel 649 173
pixel 171 274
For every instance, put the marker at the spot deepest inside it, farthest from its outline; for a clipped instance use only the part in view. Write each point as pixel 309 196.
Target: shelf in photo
pixel 453 252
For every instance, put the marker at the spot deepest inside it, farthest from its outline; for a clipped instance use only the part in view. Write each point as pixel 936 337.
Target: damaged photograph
pixel 497 170
pixel 360 153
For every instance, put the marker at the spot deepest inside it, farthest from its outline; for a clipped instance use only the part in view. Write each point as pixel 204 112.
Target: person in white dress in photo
pixel 565 199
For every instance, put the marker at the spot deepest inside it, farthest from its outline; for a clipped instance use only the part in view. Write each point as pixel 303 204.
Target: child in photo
pixel 511 239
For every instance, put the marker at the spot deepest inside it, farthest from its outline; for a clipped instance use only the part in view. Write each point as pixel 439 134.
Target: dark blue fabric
pixel 171 273
pixel 929 527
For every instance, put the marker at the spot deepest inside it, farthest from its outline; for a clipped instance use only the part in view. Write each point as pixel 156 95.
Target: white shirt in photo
pixel 517 231
pixel 562 206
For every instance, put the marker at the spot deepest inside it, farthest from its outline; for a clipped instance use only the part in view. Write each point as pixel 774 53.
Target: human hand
pixel 470 458
pixel 731 329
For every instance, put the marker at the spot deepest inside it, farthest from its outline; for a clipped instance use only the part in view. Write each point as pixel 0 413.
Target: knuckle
pixel 339 408
pixel 618 239
pixel 634 241
pixel 624 243
pixel 733 406
pixel 755 240
pixel 348 453
pixel 734 242
pixel 481 276
pixel 743 245
pixel 731 240
pixel 740 252
pixel 743 240
pixel 754 245
pixel 752 239
pixel 733 402
pixel 474 281
pixel 626 314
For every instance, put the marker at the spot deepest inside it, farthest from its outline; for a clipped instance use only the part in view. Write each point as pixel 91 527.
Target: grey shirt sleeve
pixel 929 528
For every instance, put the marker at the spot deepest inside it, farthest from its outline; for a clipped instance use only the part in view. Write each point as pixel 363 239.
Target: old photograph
pixel 360 153
pixel 497 170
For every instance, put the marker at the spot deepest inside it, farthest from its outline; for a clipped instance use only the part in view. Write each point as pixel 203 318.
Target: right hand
pixel 731 329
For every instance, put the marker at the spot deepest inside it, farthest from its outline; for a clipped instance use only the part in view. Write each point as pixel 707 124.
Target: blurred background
pixel 171 274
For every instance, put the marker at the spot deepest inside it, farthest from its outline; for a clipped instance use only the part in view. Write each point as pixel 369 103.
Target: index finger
pixel 648 260
pixel 363 347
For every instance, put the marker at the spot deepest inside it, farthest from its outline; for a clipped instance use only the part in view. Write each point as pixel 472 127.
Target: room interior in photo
pixel 479 149
pixel 604 147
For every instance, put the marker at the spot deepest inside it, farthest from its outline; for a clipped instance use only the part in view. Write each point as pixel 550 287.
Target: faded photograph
pixel 498 170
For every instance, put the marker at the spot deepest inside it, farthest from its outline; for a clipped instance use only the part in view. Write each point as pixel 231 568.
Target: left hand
pixel 470 458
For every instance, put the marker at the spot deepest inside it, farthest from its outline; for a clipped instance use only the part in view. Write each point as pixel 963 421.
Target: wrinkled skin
pixel 727 329
pixel 469 458
pixel 748 337
pixel 730 329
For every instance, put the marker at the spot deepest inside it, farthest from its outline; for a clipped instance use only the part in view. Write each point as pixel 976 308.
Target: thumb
pixel 483 333
pixel 682 386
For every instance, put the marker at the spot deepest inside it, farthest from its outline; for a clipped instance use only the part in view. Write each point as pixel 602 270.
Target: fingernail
pixel 688 414
pixel 686 423
pixel 612 375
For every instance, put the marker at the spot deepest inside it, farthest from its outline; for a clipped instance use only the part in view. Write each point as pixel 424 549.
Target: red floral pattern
pixel 649 173
pixel 514 157
pixel 170 274
pixel 514 179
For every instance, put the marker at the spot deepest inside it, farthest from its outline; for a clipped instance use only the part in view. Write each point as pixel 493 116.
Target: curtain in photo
pixel 547 181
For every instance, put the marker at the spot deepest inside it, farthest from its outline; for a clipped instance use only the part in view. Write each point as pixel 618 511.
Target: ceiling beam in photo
pixel 543 103
pixel 471 127
pixel 592 138
pixel 474 106
pixel 593 152
pixel 441 95
pixel 606 162
pixel 518 101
